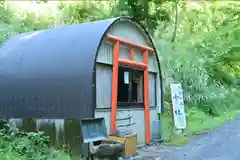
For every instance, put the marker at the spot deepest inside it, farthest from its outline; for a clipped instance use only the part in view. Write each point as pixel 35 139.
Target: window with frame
pixel 130 87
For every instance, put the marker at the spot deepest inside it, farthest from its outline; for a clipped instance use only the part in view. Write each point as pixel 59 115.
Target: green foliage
pixel 19 145
pixel 205 56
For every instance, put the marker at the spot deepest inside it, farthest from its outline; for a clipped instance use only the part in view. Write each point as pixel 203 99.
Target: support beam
pixel 130 44
pixel 131 54
pixel 146 99
pixel 114 86
pixel 132 63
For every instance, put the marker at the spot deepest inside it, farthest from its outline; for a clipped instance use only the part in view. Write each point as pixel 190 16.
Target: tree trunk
pixel 176 22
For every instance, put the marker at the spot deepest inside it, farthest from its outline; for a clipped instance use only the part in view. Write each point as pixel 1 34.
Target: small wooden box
pixel 130 144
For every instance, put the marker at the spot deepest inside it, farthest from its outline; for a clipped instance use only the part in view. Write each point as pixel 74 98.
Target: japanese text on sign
pixel 178 106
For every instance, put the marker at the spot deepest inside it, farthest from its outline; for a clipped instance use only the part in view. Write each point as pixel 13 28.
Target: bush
pixel 15 144
pixel 20 145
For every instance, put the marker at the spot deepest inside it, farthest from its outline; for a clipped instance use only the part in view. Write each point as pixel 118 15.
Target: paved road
pixel 221 144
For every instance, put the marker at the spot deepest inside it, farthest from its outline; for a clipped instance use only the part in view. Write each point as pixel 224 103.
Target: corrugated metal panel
pixel 124 52
pixel 103 85
pixel 152 89
pixel 138 55
pixel 159 94
pixel 127 31
pixel 152 63
pixel 50 73
pixel 105 53
pixel 130 32
pixel 140 89
pixel 134 123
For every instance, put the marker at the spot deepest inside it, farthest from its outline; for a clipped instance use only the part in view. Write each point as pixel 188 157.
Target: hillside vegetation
pixel 198 43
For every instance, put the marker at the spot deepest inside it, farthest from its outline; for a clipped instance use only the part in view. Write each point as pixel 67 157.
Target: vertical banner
pixel 179 114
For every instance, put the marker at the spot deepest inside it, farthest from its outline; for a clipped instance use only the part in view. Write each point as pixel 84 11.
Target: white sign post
pixel 178 109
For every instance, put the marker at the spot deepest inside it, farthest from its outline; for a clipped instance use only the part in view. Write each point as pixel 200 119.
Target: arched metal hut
pixel 106 68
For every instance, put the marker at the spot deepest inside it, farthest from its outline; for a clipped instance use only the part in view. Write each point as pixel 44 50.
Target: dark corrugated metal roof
pixel 49 73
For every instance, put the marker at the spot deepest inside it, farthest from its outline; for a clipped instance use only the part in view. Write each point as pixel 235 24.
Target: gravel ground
pixel 220 144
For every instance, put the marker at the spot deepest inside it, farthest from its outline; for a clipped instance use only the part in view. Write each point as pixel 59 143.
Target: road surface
pixel 220 144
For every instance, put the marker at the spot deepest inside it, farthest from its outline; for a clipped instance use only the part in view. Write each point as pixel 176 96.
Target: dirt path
pixel 221 144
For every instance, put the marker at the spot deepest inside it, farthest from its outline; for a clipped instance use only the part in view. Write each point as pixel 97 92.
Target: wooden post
pixel 114 86
pixel 146 98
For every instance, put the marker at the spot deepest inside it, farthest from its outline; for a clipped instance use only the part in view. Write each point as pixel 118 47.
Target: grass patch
pixel 198 123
